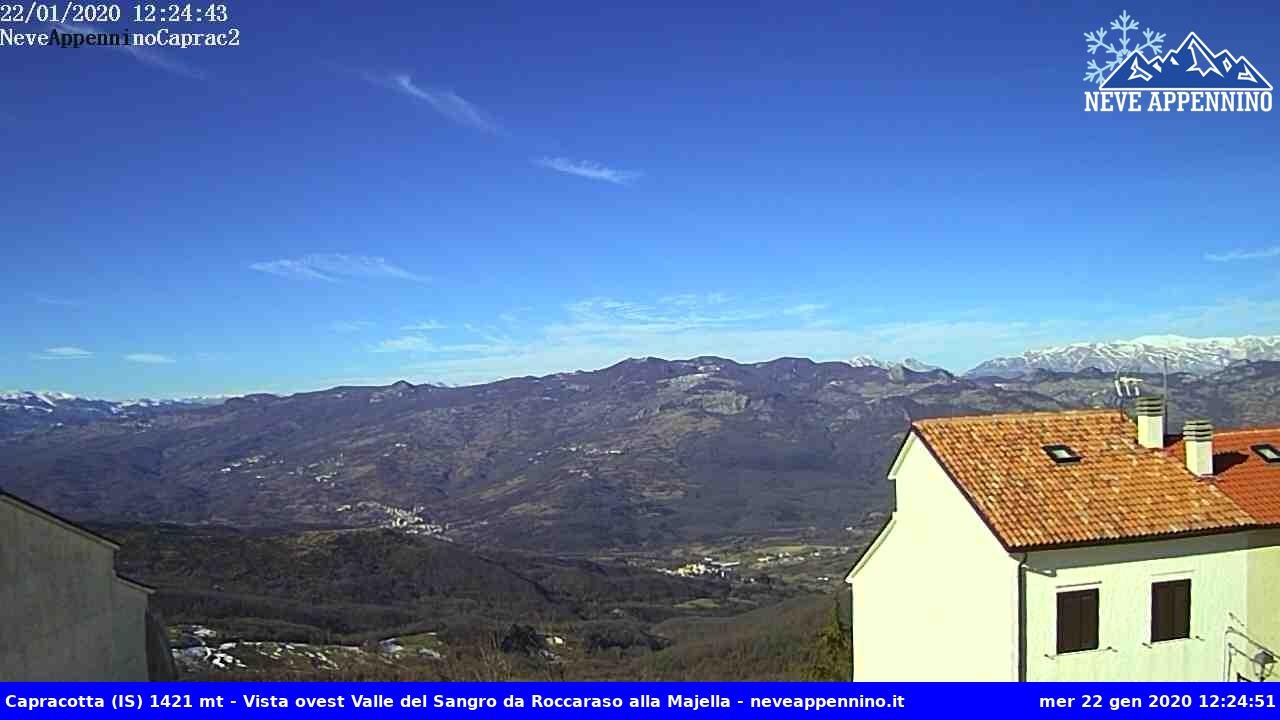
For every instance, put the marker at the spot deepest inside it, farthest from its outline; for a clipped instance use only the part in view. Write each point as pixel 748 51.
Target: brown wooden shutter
pixel 1170 610
pixel 1077 621
pixel 1068 626
pixel 1089 620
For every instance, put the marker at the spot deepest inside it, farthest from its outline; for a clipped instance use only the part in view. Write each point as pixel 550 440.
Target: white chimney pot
pixel 1197 437
pixel 1151 422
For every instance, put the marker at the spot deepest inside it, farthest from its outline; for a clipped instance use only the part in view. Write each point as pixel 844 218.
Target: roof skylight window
pixel 1268 453
pixel 1061 454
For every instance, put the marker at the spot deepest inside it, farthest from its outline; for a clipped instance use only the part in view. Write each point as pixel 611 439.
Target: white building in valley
pixel 1074 546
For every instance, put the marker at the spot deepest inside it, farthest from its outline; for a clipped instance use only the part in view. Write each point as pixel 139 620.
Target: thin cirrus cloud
pixel 804 309
pixel 145 358
pixel 424 326
pixel 406 343
pixel 458 110
pixel 587 169
pixel 333 267
pixel 144 55
pixel 350 326
pixel 64 352
pixel 1236 255
pixel 597 332
pixel 447 103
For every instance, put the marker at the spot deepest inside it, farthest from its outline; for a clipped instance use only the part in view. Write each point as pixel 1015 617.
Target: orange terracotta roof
pixel 1118 490
pixel 1242 474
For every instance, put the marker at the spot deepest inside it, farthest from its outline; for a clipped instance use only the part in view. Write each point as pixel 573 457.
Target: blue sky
pixel 359 194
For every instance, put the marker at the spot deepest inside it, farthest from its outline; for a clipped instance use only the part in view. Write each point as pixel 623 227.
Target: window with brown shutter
pixel 1077 621
pixel 1170 610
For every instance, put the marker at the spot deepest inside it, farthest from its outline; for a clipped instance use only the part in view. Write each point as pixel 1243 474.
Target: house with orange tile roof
pixel 1081 545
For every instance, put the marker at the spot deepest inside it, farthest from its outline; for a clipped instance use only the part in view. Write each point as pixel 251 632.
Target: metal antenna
pixel 1165 358
pixel 1127 387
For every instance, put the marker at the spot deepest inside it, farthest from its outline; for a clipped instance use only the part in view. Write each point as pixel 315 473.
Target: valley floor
pixel 383 605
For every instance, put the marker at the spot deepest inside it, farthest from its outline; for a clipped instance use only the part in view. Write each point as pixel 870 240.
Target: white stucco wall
pixel 1261 629
pixel 937 599
pixel 64 615
pixel 1217 566
pixel 128 626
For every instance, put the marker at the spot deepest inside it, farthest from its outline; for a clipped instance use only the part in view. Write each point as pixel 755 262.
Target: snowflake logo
pixel 1118 48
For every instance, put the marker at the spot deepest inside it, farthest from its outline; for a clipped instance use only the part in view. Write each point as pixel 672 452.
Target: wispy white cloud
pixel 425 326
pixel 487 339
pixel 405 343
pixel 145 358
pixel 447 103
pixel 803 309
pixel 587 345
pixel 587 169
pixel 674 313
pixel 350 326
pixel 63 352
pixel 597 332
pixel 144 55
pixel 290 268
pixel 692 299
pixel 332 267
pixel 1235 255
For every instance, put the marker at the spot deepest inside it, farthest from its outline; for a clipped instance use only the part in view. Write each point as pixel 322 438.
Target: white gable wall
pixel 1262 626
pixel 937 598
pixel 64 615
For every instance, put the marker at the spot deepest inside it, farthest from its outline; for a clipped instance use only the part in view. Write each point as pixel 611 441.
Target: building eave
pixel 867 552
pixel 36 510
pixel 901 454
pixel 1135 539
pixel 135 584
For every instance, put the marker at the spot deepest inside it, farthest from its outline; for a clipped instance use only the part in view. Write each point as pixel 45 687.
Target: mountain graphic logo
pixel 1193 65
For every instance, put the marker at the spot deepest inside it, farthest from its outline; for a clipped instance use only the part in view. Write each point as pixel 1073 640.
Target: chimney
pixel 1197 436
pixel 1151 421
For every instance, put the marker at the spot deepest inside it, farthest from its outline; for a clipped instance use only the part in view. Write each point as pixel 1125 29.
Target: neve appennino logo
pixel 1139 75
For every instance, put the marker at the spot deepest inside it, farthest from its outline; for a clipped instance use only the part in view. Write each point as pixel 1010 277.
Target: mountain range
pixel 1142 354
pixel 907 363
pixel 25 410
pixel 1192 65
pixel 645 454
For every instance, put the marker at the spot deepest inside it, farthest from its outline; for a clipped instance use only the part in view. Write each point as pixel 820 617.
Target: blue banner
pixel 627 700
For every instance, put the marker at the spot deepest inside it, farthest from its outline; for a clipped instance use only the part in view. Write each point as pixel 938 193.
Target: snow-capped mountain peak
pixel 48 397
pixel 868 361
pixel 24 410
pixel 1147 353
pixel 908 363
